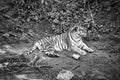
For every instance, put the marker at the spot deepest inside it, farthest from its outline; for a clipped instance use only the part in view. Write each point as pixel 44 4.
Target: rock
pixel 1 65
pixel 64 75
pixel 2 51
pixel 76 56
pixel 24 77
pixel 7 46
pixel 35 79
pixel 9 49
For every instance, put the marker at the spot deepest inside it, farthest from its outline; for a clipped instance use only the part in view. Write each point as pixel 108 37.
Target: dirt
pixel 99 65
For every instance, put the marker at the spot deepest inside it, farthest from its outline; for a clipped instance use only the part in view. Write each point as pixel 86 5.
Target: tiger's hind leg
pixel 51 53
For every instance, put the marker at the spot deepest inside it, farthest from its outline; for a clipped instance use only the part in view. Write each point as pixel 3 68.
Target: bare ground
pixel 99 65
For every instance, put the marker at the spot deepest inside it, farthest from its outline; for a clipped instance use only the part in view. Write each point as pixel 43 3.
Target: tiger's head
pixel 78 32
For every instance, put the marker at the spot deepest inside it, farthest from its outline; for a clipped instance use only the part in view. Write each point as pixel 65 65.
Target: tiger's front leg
pixel 78 50
pixel 88 49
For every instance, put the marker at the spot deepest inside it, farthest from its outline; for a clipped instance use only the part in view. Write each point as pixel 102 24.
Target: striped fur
pixel 51 43
pixel 71 41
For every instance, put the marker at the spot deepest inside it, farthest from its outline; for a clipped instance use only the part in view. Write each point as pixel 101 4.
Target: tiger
pixel 71 41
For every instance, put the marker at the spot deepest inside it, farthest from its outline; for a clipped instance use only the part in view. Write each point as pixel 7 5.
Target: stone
pixel 24 77
pixel 76 56
pixel 65 75
pixel 2 51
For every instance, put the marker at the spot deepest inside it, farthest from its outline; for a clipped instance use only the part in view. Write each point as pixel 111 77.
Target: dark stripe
pixel 72 38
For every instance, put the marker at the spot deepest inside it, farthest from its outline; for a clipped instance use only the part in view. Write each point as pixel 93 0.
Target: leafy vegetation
pixel 22 18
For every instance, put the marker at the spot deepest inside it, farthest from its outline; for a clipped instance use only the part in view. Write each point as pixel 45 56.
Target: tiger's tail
pixel 28 53
pixel 35 46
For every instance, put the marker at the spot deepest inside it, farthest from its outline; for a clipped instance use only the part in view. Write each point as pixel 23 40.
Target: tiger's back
pixel 57 43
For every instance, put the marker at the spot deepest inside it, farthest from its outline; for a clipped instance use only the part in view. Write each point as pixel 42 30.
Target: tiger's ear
pixel 74 29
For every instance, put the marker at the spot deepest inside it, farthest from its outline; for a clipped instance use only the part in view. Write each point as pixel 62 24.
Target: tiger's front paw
pixel 90 50
pixel 83 52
